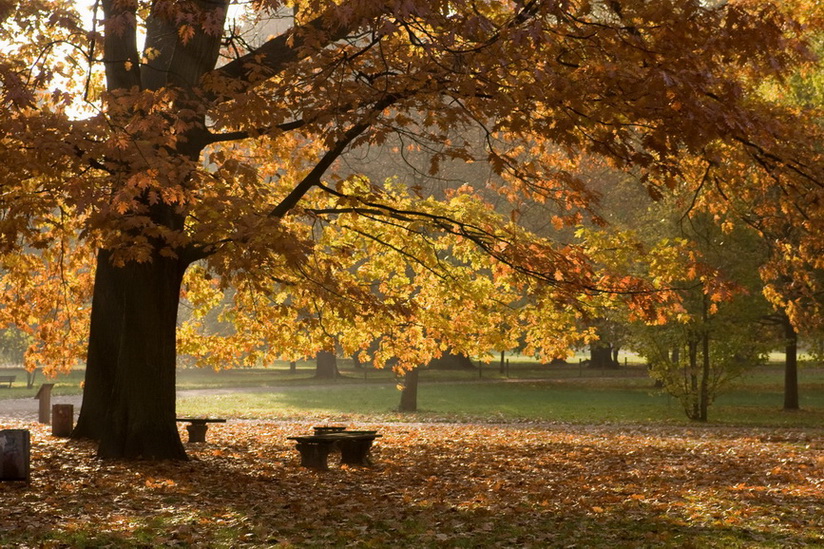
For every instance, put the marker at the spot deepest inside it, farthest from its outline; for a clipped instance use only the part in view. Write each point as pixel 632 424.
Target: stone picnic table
pixel 354 446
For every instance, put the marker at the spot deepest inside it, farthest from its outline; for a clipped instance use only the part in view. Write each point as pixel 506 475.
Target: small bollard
pixel 15 452
pixel 44 396
pixel 62 420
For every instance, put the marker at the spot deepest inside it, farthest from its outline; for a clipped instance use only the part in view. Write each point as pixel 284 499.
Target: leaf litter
pixel 432 485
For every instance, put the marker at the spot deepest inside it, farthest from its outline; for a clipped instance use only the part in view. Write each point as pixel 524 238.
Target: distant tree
pixel 695 359
pixel 612 332
pixel 791 393
pixel 787 297
pixel 13 345
pixel 796 294
pixel 409 391
pixel 327 365
pixel 709 268
pixel 451 361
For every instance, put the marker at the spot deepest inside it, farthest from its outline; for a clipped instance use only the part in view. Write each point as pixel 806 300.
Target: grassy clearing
pixel 281 375
pixel 453 401
pixel 64 384
pixel 529 392
pixel 566 394
pixel 623 401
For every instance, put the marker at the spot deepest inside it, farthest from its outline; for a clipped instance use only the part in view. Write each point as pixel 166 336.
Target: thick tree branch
pixel 246 134
pixel 120 57
pixel 275 55
pixel 313 178
pixel 485 240
pixel 176 61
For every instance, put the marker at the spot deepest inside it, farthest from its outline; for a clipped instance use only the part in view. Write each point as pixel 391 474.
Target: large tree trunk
pixel 129 398
pixel 104 336
pixel 600 357
pixel 790 366
pixel 141 419
pixel 409 393
pixel 327 365
pixel 129 394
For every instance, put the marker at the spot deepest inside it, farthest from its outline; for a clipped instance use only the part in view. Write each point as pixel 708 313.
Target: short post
pixel 15 452
pixel 44 396
pixel 62 420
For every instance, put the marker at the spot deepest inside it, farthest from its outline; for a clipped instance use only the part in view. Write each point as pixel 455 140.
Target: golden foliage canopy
pixel 206 145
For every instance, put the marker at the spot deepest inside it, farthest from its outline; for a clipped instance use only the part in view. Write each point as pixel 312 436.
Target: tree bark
pixel 692 408
pixel 129 396
pixel 791 399
pixel 409 393
pixel 327 365
pixel 704 389
pixel 30 377
pixel 600 356
pixel 105 334
pixel 129 392
pixel 704 394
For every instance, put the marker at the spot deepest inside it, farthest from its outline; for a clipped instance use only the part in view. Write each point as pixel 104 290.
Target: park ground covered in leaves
pixel 432 485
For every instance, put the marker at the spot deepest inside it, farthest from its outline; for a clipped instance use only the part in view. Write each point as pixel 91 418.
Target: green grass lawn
pixel 506 402
pixel 64 384
pixel 280 375
pixel 529 392
pixel 562 398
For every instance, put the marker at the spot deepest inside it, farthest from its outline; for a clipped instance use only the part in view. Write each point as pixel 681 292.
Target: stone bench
pixel 198 426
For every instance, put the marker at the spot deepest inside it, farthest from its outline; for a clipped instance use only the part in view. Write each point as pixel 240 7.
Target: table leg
pixel 197 432
pixel 314 455
pixel 355 452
